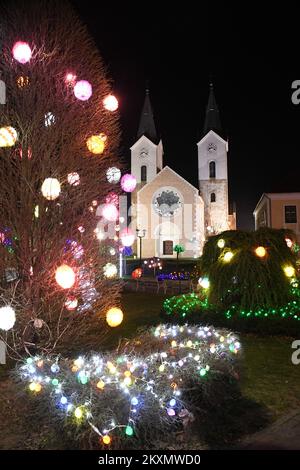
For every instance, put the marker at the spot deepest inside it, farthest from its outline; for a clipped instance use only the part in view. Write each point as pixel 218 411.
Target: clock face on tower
pixel 167 202
pixel 212 147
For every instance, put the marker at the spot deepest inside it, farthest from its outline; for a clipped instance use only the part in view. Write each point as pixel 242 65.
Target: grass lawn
pixel 270 385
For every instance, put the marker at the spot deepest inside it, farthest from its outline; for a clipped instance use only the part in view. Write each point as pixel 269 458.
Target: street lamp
pixel 140 234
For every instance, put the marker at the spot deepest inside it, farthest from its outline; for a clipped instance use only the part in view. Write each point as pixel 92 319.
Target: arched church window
pixel 143 173
pixel 213 197
pixel 212 169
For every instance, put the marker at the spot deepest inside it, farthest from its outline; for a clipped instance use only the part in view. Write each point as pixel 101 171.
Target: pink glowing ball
pixel 22 52
pixel 128 183
pixel 83 90
pixel 127 237
pixel 110 212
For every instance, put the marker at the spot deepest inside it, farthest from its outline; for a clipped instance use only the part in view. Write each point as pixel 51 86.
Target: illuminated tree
pixel 62 138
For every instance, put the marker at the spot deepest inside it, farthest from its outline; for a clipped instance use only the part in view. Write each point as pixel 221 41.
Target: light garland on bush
pixel 137 386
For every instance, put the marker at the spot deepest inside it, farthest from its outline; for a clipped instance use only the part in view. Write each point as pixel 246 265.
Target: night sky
pixel 252 59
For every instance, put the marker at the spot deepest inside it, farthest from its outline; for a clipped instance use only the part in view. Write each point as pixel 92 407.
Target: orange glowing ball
pixel 65 276
pixel 106 440
pixel 137 273
pixel 260 251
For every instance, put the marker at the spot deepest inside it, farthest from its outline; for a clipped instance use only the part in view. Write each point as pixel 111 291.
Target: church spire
pixel 212 118
pixel 147 125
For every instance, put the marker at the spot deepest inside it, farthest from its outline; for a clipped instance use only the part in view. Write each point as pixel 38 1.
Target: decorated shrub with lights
pixel 138 397
pixel 251 271
pixel 244 275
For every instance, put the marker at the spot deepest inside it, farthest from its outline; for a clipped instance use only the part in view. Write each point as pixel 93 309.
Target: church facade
pixel 166 209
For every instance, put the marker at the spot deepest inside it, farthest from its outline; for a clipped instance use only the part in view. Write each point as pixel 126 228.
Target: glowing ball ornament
pixel 127 237
pixel 73 178
pixel 110 270
pixel 51 189
pixel 110 212
pixel 228 256
pixel 221 243
pixel 8 136
pixel 110 103
pixel 106 440
pixel 289 271
pixel 114 317
pixel 83 90
pixel 22 52
pixel 95 144
pixel 260 251
pixel 113 175
pixel 7 318
pixel 71 303
pixel 65 276
pixel 128 183
pixel 204 282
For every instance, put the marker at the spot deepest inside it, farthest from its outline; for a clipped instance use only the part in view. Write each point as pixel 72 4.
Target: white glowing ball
pixel 7 318
pixel 73 178
pixel 114 316
pixel 128 183
pixel 112 251
pixel 113 175
pixel 22 52
pixel 51 188
pixel 204 282
pixel 110 103
pixel 49 119
pixel 127 237
pixel 83 90
pixel 8 136
pixel 110 212
pixel 65 276
pixel 110 270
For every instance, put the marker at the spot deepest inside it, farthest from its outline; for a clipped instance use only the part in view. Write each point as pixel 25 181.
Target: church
pixel 166 209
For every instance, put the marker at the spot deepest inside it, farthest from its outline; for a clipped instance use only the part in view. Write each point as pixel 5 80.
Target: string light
pixel 133 376
pixel 228 256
